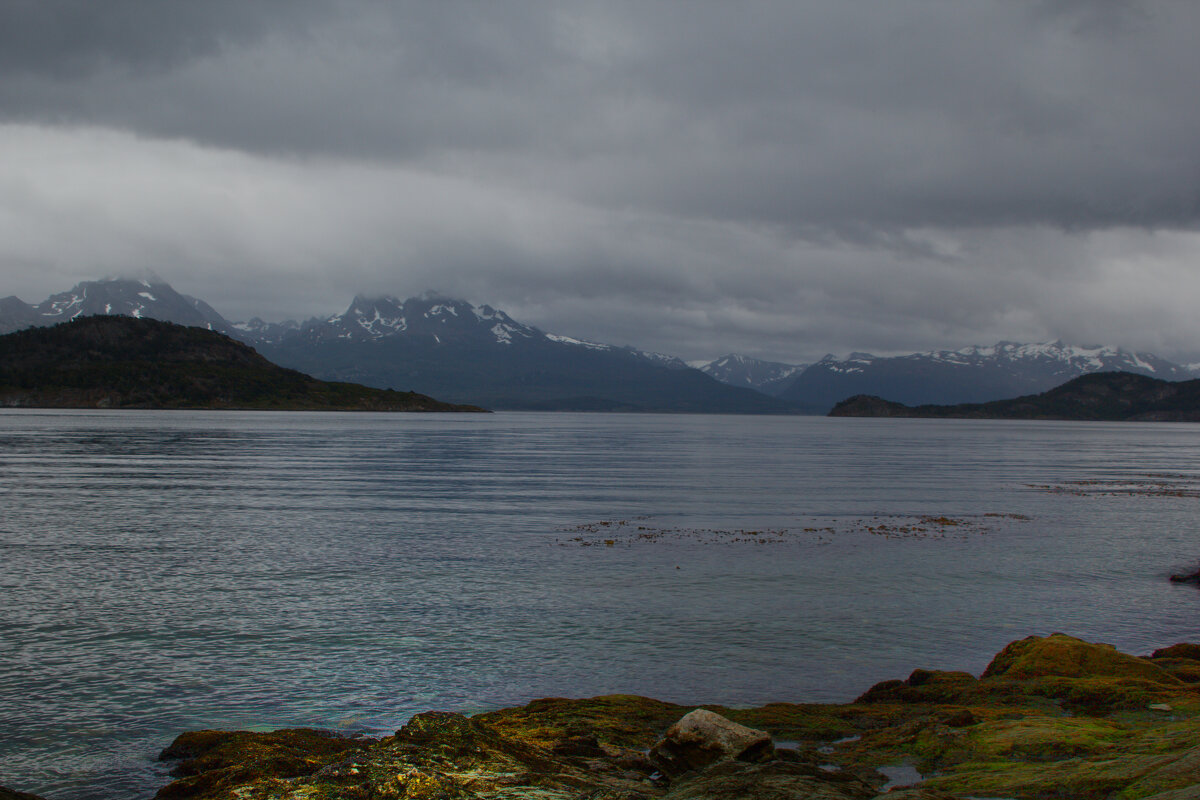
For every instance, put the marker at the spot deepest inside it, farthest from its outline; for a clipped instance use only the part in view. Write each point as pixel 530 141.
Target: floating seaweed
pixel 611 533
pixel 1154 484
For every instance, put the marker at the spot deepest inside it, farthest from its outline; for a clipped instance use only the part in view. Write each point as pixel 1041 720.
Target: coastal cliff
pixel 1052 717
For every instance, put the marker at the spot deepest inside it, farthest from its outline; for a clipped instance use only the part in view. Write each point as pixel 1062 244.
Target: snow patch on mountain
pixel 739 370
pixel 554 337
pixel 1092 358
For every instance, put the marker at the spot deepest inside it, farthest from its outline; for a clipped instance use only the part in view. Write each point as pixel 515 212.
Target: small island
pixel 1099 397
pixel 135 363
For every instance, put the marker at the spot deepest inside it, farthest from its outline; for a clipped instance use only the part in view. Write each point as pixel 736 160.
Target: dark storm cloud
pixel 66 39
pixel 780 178
pixel 828 115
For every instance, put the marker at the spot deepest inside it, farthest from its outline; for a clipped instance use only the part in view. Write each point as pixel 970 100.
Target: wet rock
pixel 959 719
pixel 923 686
pixel 579 746
pixel 211 762
pixel 703 737
pixel 774 780
pixel 1179 774
pixel 1181 660
pixel 1187 577
pixel 621 720
pixel 915 793
pixel 12 794
pixel 1186 650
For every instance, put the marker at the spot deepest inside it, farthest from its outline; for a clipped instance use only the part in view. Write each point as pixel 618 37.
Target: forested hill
pixel 125 362
pixel 1112 396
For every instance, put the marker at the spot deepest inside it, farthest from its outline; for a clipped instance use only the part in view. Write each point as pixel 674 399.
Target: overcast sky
pixel 782 179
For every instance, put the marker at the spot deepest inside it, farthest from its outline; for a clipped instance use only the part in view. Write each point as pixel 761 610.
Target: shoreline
pixel 1049 716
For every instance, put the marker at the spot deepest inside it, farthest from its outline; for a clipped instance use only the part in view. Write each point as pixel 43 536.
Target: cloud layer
pixel 773 178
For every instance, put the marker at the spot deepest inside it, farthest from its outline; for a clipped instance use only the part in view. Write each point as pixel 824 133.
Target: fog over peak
pixel 772 178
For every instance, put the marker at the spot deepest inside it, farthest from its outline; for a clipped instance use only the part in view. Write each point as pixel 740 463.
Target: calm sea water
pixel 168 571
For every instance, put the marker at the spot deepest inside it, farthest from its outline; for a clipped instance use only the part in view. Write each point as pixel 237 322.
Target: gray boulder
pixel 702 737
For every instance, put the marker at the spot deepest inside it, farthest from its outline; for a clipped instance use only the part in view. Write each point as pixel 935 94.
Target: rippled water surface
pixel 166 571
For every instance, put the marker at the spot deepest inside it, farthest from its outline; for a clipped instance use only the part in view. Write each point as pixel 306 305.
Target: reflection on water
pixel 165 571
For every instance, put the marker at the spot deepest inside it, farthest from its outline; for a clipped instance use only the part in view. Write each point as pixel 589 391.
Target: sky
pixel 779 179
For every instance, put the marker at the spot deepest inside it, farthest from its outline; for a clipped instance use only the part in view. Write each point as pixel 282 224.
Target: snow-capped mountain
pixel 441 320
pixel 1061 359
pixel 256 331
pixel 453 350
pixel 145 296
pixel 450 348
pixel 436 345
pixel 431 315
pixel 970 375
pixel 769 377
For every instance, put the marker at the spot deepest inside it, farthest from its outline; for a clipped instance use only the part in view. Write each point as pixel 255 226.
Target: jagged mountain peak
pixel 141 293
pixel 736 369
pixel 432 315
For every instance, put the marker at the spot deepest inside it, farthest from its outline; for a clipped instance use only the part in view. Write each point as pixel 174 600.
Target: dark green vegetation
pixel 1052 717
pixel 1102 396
pixel 123 362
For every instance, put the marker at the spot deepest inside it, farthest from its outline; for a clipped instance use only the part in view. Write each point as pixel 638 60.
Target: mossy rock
pixel 1076 778
pixel 802 722
pixel 1062 656
pixel 775 780
pixel 1182 773
pixel 211 762
pixel 923 686
pixel 621 720
pixel 1187 650
pixel 1043 739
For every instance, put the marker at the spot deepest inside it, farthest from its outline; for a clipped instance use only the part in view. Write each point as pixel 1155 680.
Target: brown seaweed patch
pixel 611 533
pixel 1151 484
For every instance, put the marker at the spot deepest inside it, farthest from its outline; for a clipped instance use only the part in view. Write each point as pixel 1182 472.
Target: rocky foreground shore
pixel 1051 717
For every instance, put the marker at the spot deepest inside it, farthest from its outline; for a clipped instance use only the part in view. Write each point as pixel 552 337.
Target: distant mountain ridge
pixel 769 377
pixel 1101 396
pixel 968 375
pixel 449 348
pixel 144 297
pixel 437 345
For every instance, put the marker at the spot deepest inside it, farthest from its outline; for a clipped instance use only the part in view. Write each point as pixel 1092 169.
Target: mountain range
pixel 463 353
pixel 435 345
pixel 968 375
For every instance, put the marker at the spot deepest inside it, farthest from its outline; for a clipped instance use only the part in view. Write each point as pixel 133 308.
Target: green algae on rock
pixel 1051 717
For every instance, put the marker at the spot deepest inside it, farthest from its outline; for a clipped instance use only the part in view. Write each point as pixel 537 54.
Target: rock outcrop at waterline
pixel 1050 717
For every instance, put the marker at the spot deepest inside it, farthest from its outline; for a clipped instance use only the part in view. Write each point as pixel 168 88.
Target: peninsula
pixel 126 362
pixel 1100 396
